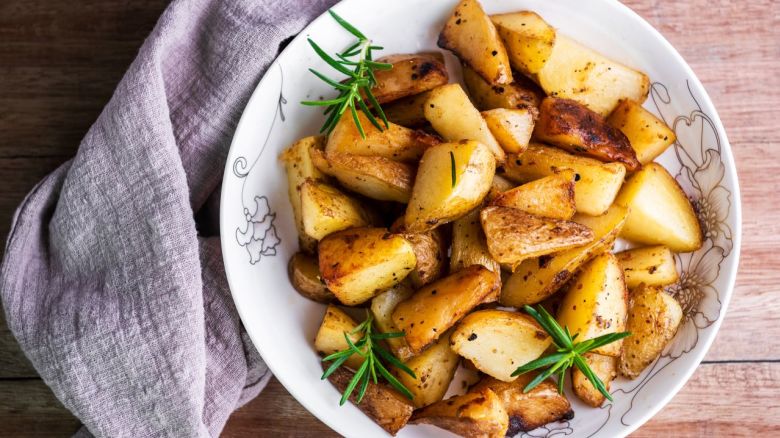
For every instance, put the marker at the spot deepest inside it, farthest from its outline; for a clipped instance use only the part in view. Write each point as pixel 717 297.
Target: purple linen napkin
pixel 109 283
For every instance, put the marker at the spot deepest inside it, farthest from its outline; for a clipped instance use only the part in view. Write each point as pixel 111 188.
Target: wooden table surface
pixel 60 61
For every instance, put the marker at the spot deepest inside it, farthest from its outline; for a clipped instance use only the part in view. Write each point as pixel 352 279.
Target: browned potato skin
pixel 572 126
pixel 551 196
pixel 408 111
pixel 381 403
pixel 358 263
pixel 431 252
pixel 605 368
pixel 438 306
pixel 520 94
pixel 471 35
pixel 653 319
pixel 411 74
pixel 474 414
pixel 305 277
pixel 375 177
pixel 469 246
pixel 393 142
pixel 513 235
pixel 530 410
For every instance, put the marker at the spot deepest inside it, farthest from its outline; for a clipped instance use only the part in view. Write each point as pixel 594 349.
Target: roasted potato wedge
pixel 551 196
pixel 383 404
pixel 299 166
pixel 596 303
pixel 513 235
pixel 520 94
pixel 434 369
pixel 478 414
pixel 435 308
pixel 649 136
pixel 528 410
pixel 499 186
pixel 409 111
pixel 596 184
pixel 512 128
pixel 452 115
pixel 382 307
pixel 394 142
pixel 431 252
pixel 497 342
pixel 411 74
pixel 536 279
pixel 471 35
pixel 653 319
pixel 529 40
pixel 469 246
pixel 325 210
pixel 651 265
pixel 305 277
pixel 358 263
pixel 375 177
pixel 661 213
pixel 452 179
pixel 573 127
pixel 605 368
pixel 330 336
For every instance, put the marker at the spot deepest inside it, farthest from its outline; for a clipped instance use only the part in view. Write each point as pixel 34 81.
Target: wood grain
pixel 59 64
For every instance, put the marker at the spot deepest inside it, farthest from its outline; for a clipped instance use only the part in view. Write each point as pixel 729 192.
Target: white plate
pixel 259 234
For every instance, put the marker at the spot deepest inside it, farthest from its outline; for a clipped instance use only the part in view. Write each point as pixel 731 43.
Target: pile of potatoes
pixel 509 192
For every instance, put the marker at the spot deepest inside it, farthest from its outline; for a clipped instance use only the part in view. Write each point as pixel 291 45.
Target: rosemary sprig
pixel 368 347
pixel 568 353
pixel 357 64
pixel 452 168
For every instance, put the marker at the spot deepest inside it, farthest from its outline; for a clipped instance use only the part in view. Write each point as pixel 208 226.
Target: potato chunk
pixel 469 246
pixel 326 210
pixel 375 177
pixel 596 303
pixel 411 74
pixel 431 252
pixel 434 368
pixel 513 235
pixel 471 35
pixel 497 342
pixel 528 38
pixel 661 213
pixel 528 410
pixel 520 94
pixel 299 167
pixel 382 307
pixel 653 319
pixel 474 414
pixel 576 72
pixel 394 142
pixel 605 368
pixel 452 115
pixel 595 183
pixel 358 263
pixel 573 127
pixel 512 128
pixel 305 277
pixel 452 179
pixel 649 136
pixel 330 336
pixel 551 196
pixel 409 111
pixel 381 403
pixel 432 310
pixel 536 279
pixel 651 265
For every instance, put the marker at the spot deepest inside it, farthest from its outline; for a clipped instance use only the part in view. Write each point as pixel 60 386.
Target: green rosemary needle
pixel 357 64
pixel 368 347
pixel 568 353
